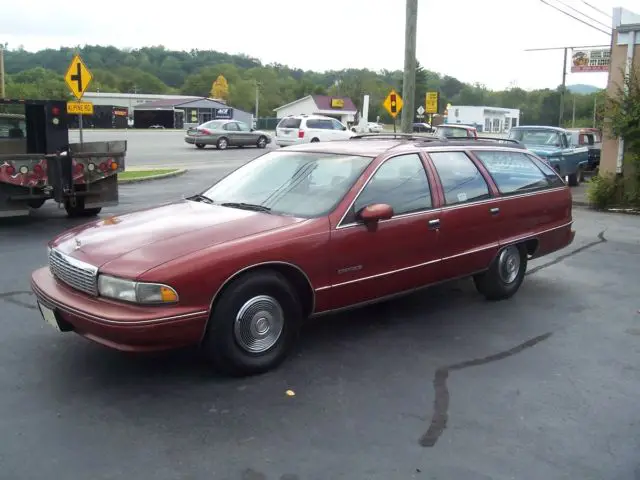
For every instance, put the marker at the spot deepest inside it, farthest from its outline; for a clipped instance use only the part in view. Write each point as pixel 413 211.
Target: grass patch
pixel 137 174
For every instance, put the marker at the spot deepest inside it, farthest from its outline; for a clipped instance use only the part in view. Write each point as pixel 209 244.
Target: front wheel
pixel 573 180
pixel 505 275
pixel 253 325
pixel 262 142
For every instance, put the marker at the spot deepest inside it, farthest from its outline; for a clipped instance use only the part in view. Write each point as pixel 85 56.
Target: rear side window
pixel 513 172
pixel 552 176
pixel 320 124
pixel 461 180
pixel 289 123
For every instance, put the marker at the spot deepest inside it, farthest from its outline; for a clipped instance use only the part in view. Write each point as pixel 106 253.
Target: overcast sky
pixel 473 40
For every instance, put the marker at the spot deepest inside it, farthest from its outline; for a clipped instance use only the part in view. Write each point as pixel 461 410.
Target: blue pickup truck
pixel 556 146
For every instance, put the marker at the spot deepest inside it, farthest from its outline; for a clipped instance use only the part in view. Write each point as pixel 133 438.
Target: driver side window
pixel 400 182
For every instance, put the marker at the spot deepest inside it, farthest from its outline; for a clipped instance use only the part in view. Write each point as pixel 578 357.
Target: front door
pixel 471 219
pixel 402 252
pixel 245 136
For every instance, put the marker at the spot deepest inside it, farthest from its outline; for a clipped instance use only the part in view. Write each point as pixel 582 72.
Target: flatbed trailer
pixel 37 162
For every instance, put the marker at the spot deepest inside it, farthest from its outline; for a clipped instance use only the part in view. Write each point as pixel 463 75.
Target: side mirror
pixel 253 130
pixel 344 128
pixel 375 212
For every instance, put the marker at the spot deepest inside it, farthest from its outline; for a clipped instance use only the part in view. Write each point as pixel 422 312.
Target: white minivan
pixel 298 129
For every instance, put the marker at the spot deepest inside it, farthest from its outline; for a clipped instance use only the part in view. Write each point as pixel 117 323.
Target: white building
pixel 485 119
pixel 340 108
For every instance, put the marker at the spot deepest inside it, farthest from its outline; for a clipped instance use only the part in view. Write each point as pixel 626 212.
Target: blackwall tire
pixel 253 325
pixel 505 275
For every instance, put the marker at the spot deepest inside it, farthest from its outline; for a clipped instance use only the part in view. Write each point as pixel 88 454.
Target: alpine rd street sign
pixel 393 103
pixel 78 77
pixel 80 108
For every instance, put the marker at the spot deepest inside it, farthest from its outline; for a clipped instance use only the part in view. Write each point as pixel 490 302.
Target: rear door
pixel 233 133
pixel 402 253
pixel 471 218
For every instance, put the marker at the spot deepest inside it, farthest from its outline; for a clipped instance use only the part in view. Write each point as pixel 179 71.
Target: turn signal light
pixel 114 166
pixel 168 294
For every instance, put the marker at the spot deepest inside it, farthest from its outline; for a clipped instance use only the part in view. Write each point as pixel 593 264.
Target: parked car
pixel 455 131
pixel 423 127
pixel 555 145
pixel 592 139
pixel 303 231
pixel 371 127
pixel 297 129
pixel 226 133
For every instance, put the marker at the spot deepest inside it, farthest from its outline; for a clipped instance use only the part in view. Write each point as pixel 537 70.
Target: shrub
pixel 603 191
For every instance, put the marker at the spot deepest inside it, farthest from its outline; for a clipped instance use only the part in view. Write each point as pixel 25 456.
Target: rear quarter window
pixel 289 123
pixel 514 172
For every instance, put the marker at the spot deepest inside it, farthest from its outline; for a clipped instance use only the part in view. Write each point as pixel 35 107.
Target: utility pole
pixel 563 88
pixel 2 81
pixel 257 100
pixel 564 71
pixel 573 115
pixel 595 106
pixel 409 78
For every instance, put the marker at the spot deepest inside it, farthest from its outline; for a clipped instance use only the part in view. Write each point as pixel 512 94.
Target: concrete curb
pixel 624 211
pixel 160 176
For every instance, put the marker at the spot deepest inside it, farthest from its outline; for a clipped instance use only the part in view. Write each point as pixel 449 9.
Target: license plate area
pixel 49 316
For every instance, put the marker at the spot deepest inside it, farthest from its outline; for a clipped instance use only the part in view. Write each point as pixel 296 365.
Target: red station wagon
pixel 301 231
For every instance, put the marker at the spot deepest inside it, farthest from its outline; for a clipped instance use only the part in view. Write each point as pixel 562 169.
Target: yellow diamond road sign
pixel 393 103
pixel 80 108
pixel 78 77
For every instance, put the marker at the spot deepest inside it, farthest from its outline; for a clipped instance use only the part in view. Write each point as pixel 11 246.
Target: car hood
pixel 544 150
pixel 130 244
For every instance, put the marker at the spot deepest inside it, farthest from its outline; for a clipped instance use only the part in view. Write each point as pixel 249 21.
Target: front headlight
pixel 135 292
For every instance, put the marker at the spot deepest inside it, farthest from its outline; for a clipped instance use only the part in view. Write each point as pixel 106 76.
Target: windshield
pixel 537 137
pixel 291 183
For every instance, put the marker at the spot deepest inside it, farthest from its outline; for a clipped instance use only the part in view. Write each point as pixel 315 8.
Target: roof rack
pixel 471 140
pixel 399 136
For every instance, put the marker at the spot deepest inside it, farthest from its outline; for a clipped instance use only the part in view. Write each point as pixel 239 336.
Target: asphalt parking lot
pixel 439 385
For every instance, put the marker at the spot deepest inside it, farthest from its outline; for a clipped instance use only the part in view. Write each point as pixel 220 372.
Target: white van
pixel 298 129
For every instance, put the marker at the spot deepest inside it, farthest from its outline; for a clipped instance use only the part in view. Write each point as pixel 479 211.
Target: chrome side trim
pixel 80 313
pixel 471 251
pixel 391 296
pixel 256 265
pixel 533 235
pixel 378 275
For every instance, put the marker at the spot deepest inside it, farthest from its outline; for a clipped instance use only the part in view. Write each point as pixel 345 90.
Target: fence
pixel 267 123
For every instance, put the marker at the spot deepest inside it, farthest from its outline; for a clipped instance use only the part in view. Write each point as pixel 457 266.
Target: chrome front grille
pixel 76 274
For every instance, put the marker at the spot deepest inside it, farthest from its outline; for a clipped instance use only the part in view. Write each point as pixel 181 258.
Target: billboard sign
pixel 597 60
pixel 223 113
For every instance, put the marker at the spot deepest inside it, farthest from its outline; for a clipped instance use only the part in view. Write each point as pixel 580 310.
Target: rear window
pixel 289 123
pixel 513 172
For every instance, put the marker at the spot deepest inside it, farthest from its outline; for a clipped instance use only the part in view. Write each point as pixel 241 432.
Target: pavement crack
pixel 440 414
pixel 10 297
pixel 561 258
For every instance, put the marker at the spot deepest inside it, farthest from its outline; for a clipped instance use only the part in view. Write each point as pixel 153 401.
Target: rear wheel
pixel 574 179
pixel 79 210
pixel 505 275
pixel 200 145
pixel 314 140
pixel 36 202
pixel 262 142
pixel 222 143
pixel 253 325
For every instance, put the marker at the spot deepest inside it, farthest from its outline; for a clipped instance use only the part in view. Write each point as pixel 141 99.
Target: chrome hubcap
pixel 223 144
pixel 261 142
pixel 509 264
pixel 259 324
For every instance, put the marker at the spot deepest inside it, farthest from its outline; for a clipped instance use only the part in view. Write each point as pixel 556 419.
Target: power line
pixel 596 9
pixel 583 14
pixel 576 18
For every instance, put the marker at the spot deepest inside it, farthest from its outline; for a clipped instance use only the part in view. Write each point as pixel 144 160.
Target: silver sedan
pixel 226 133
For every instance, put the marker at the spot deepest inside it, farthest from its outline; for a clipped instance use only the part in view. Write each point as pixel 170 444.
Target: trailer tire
pixel 78 210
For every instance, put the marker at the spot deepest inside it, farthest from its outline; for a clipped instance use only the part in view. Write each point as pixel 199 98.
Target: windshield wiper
pixel 200 198
pixel 247 206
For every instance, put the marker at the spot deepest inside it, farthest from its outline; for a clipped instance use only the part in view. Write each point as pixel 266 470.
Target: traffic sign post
pixel 78 78
pixel 393 104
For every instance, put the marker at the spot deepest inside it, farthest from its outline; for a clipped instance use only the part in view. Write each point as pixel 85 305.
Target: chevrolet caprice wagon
pixel 302 231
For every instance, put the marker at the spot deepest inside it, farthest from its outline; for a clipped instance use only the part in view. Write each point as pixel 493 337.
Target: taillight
pixel 10 169
pixel 38 170
pixel 79 168
pixel 104 167
pixel 300 133
pixel 205 131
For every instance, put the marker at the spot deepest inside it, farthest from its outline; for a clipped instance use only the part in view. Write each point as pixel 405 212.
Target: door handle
pixel 494 211
pixel 434 224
